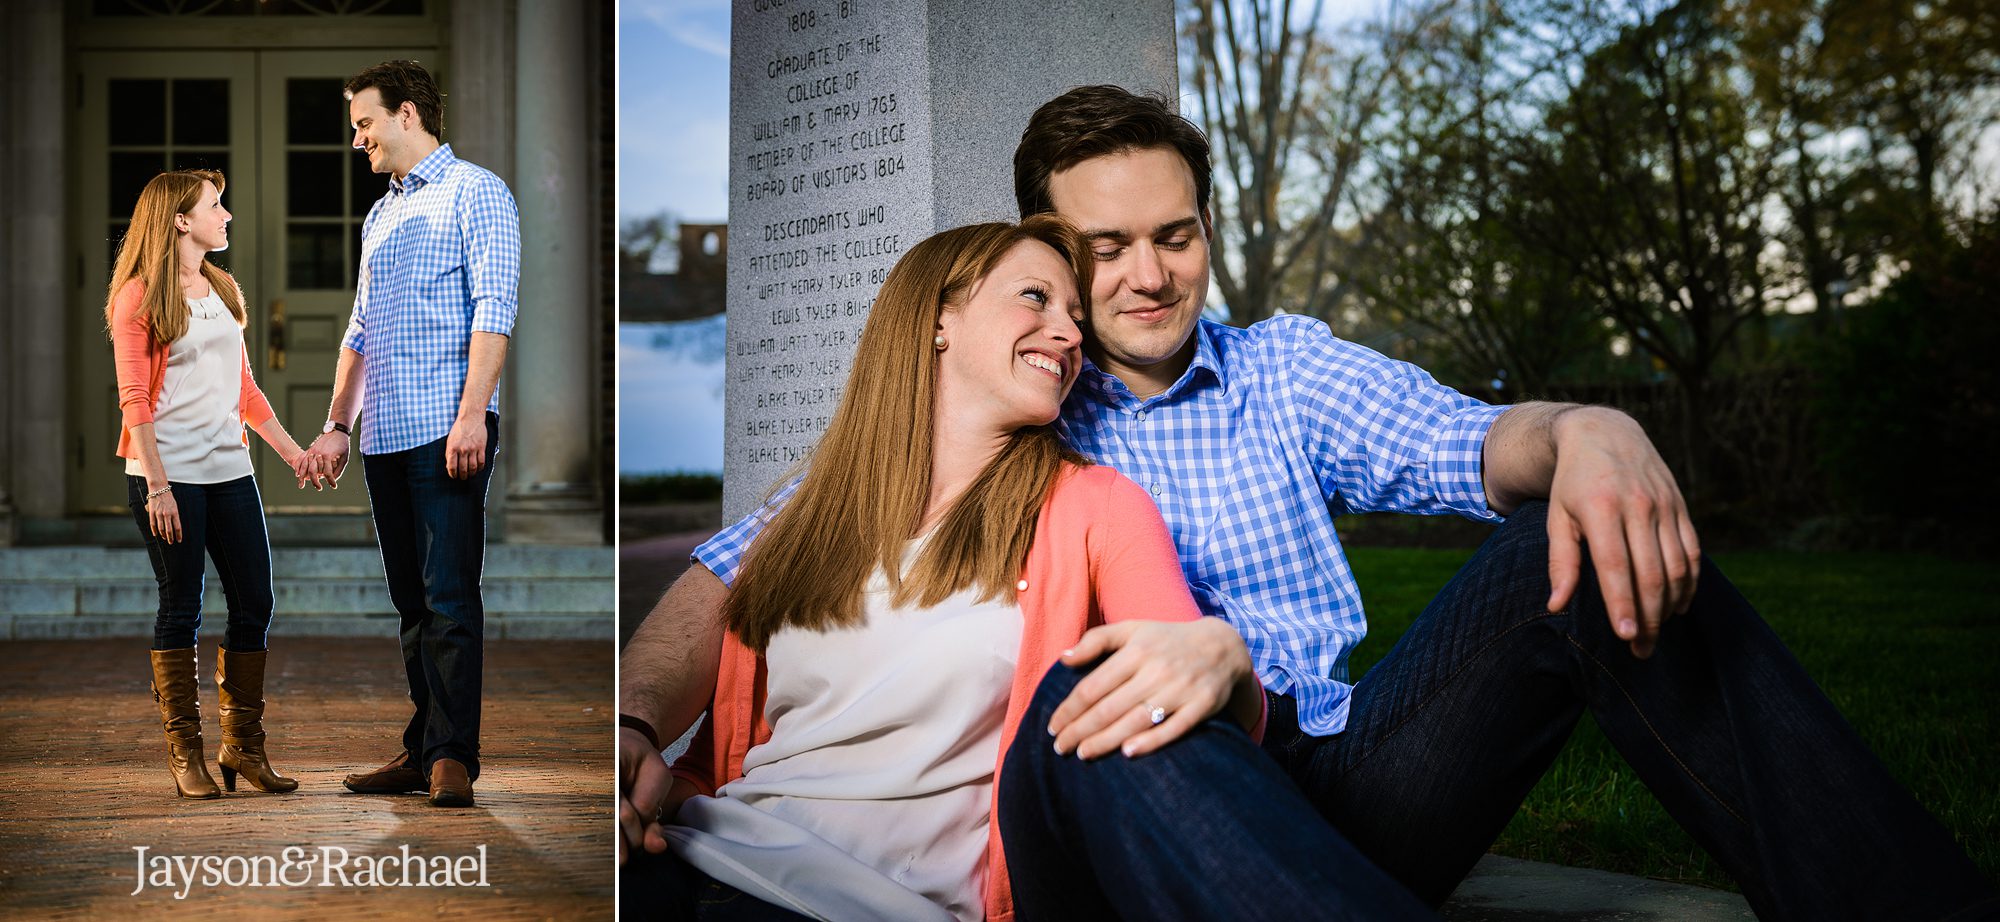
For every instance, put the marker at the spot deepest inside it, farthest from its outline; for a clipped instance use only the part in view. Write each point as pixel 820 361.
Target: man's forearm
pixel 486 355
pixel 1525 442
pixel 666 675
pixel 347 387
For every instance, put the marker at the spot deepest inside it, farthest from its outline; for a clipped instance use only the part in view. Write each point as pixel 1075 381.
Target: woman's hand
pixel 289 449
pixel 1183 672
pixel 164 516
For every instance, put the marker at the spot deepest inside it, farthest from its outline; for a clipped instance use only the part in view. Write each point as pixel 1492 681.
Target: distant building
pixel 694 291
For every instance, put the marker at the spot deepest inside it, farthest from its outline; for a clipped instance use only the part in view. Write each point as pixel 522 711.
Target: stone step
pixel 297 596
pixel 499 626
pixel 530 592
pixel 503 561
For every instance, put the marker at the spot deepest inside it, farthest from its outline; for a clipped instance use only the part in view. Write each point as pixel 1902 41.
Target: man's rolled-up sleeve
pixel 723 553
pixel 1457 466
pixel 491 223
pixel 1385 435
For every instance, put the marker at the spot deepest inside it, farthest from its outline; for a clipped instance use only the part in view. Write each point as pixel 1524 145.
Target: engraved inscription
pixel 830 185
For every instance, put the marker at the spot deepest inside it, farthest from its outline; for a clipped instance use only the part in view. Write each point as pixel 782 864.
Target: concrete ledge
pixel 1512 890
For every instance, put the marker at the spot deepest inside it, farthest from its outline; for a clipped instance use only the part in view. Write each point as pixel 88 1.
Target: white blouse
pixel 871 798
pixel 198 422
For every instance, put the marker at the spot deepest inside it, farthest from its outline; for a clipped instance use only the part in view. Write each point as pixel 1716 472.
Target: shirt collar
pixel 427 170
pixel 1205 366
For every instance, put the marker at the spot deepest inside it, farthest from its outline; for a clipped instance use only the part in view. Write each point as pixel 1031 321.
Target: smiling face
pixel 1150 243
pixel 206 225
pixel 1013 345
pixel 388 138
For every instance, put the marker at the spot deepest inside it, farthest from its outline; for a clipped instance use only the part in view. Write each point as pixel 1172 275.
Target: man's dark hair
pixel 1092 121
pixel 400 82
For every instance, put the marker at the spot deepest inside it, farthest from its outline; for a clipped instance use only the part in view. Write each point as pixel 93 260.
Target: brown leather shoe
pixel 450 786
pixel 401 776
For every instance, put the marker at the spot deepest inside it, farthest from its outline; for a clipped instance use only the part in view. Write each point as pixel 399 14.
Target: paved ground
pixel 83 782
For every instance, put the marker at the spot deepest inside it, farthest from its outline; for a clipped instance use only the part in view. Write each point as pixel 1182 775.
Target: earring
pixel 938 341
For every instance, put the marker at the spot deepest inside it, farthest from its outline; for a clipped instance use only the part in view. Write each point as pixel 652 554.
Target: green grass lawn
pixel 1904 644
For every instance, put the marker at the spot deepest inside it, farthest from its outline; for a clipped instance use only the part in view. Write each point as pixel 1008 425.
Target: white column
pixel 551 491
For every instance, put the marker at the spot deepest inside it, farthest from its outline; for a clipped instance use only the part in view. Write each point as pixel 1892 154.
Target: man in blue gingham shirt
pixel 1252 441
pixel 440 261
pixel 1270 433
pixel 420 365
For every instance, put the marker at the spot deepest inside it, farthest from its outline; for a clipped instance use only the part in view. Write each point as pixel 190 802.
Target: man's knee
pixel 1526 531
pixel 1053 690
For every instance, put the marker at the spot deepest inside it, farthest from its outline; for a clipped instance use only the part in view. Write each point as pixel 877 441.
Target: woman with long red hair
pixel 185 395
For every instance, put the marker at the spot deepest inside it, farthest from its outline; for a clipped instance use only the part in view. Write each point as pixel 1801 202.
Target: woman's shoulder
pixel 1095 487
pixel 130 293
pixel 125 302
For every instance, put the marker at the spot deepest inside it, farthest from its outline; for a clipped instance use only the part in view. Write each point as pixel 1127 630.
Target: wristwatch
pixel 332 426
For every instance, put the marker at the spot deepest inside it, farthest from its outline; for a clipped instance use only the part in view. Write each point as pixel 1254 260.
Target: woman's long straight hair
pixel 866 485
pixel 150 253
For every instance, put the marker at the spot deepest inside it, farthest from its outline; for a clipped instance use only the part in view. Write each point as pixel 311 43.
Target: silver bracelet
pixel 165 489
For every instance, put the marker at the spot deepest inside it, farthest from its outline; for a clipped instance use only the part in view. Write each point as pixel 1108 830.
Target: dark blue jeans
pixel 432 531
pixel 226 520
pixel 662 886
pixel 1207 828
pixel 1447 735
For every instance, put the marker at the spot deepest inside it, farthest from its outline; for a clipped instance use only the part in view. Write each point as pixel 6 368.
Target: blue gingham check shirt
pixel 1271 433
pixel 440 260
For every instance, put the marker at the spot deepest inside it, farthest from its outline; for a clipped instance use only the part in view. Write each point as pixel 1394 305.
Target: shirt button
pixel 1021 586
pixel 1142 414
pixel 1156 489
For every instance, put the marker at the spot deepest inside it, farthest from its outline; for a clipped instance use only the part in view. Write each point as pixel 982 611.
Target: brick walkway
pixel 83 781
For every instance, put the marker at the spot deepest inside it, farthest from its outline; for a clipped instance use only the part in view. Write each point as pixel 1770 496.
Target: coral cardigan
pixel 1101 554
pixel 142 369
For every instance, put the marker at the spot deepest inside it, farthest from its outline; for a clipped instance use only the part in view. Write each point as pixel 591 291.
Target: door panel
pixel 318 191
pixel 140 113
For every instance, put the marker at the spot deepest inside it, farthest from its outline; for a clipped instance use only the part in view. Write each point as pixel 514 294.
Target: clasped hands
pixel 322 463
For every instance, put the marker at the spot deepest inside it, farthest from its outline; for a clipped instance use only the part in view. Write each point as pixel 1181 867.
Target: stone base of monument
pixel 1512 890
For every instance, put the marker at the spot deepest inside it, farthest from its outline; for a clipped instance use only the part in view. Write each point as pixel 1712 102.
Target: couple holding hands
pixel 1055 623
pixel 435 303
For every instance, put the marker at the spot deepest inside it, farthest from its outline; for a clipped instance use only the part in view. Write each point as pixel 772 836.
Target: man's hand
pixel 465 446
pixel 647 794
pixel 322 464
pixel 1188 670
pixel 1611 491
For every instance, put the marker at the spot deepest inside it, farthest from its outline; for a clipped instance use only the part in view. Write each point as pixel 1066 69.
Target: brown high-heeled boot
pixel 240 677
pixel 180 714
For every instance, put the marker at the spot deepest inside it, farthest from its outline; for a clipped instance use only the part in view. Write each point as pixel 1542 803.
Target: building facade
pixel 102 94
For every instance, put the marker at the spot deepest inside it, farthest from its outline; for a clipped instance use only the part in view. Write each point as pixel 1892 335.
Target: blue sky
pixel 673 107
pixel 673 155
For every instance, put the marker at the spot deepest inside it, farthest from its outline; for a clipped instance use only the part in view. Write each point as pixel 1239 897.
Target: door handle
pixel 277 335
